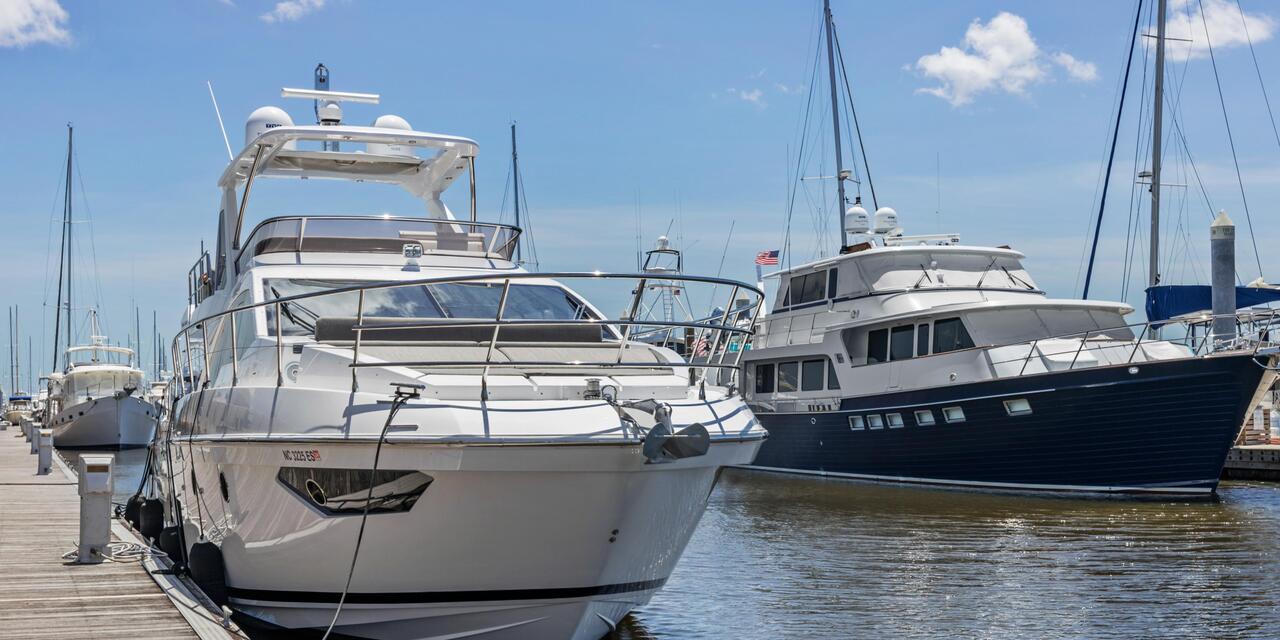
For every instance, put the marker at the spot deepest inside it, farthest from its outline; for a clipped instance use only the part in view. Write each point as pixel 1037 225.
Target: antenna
pixel 218 112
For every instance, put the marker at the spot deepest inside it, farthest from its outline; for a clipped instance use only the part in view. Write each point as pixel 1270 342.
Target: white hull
pixel 105 423
pixel 535 540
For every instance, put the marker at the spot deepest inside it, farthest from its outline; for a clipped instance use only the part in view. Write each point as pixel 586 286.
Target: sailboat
pixel 96 400
pixel 922 360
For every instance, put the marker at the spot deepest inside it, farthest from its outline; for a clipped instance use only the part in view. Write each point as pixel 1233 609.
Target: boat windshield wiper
pixel 1017 280
pixel 924 275
pixel 985 272
pixel 288 308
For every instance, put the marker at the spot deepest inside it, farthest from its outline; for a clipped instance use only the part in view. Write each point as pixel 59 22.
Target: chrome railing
pixel 1253 335
pixel 204 348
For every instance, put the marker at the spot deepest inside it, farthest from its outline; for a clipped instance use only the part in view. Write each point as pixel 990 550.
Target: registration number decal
pixel 302 455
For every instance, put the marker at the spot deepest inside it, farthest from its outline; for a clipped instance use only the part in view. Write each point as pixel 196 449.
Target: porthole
pixel 924 417
pixel 1018 407
pixel 953 414
pixel 874 421
pixel 894 420
pixel 856 423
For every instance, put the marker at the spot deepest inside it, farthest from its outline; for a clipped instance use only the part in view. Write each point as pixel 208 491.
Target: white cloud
pixel 754 96
pixel 27 22
pixel 291 10
pixel 1077 69
pixel 1226 28
pixel 999 55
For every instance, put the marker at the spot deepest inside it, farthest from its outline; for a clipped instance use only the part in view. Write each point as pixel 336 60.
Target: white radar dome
pixel 264 119
pixel 886 220
pixel 390 121
pixel 856 220
pixel 663 242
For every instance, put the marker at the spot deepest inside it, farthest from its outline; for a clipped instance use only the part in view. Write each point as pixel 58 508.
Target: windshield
pixel 477 300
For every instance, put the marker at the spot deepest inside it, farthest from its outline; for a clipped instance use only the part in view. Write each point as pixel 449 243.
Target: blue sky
pixel 690 109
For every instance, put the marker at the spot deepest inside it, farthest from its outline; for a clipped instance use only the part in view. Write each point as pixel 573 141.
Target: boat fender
pixel 206 568
pixel 171 543
pixel 132 509
pixel 151 519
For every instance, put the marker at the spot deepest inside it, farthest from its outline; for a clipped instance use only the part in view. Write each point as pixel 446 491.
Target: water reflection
pixel 126 471
pixel 790 556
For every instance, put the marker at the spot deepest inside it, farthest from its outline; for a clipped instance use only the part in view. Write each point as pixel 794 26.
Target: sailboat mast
pixel 835 120
pixel 66 220
pixel 515 181
pixel 62 259
pixel 1157 129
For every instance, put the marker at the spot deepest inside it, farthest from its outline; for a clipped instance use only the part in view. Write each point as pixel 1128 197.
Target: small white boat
pixel 98 402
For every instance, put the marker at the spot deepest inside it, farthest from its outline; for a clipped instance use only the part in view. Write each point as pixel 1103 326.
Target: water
pixel 795 557
pixel 126 470
pixel 780 556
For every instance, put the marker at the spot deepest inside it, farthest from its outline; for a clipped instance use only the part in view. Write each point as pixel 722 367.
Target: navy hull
pixel 1166 428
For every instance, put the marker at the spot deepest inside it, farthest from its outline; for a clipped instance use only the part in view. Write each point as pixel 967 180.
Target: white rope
pixel 121 552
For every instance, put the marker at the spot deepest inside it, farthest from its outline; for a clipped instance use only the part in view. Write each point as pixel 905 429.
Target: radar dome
pixel 886 220
pixel 390 121
pixel 264 119
pixel 856 219
pixel 663 242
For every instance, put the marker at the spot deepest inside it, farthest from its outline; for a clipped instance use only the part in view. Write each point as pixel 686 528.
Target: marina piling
pixel 1222 255
pixel 44 452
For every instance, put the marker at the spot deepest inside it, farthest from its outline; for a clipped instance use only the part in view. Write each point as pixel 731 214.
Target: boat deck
pixel 43 596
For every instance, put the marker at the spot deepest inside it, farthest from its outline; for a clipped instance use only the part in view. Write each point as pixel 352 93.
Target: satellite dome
pixel 663 242
pixel 390 121
pixel 856 219
pixel 886 220
pixel 264 119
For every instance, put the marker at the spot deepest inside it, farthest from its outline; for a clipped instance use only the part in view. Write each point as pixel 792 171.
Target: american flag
pixel 767 258
pixel 700 346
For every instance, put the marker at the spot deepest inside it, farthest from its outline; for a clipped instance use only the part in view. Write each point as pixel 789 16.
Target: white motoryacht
pixel 383 426
pixel 97 401
pixel 18 408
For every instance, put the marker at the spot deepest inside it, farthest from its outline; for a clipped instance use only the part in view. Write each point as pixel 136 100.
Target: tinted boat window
pixel 811 375
pixel 832 381
pixel 877 346
pixel 950 335
pixel 831 282
pixel 346 491
pixel 901 342
pixel 764 378
pixel 788 376
pixel 808 288
pixel 922 340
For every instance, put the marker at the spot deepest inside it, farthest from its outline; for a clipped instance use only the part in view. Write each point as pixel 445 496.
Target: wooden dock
pixel 43 596
pixel 1253 462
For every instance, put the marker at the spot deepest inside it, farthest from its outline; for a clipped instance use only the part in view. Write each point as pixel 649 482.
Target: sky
pixel 991 119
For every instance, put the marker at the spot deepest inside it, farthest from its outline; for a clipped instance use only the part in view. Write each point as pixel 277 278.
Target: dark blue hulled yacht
pixel 921 360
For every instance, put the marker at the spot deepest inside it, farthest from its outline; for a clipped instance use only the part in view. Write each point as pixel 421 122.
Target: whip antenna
pixel 217 112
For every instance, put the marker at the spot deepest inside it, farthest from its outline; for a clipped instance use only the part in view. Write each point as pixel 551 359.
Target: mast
pixel 515 181
pixel 1157 128
pixel 835 119
pixel 67 221
pixel 62 256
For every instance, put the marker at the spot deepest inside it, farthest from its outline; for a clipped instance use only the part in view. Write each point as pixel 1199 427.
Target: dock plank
pixel 45 597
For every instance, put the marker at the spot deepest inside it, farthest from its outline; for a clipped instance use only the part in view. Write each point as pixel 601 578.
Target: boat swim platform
pixel 44 597
pixel 1253 462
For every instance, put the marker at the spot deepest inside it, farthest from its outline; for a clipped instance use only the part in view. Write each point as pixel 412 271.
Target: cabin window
pixel 877 346
pixel 788 376
pixel 894 420
pixel 810 287
pixel 811 372
pixel 875 421
pixel 1018 407
pixel 901 342
pixel 832 381
pixel 953 414
pixel 924 417
pixel 922 340
pixel 950 335
pixel 832 278
pixel 856 423
pixel 764 378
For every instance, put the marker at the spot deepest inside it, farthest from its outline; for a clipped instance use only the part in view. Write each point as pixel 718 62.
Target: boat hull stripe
pixel 434 597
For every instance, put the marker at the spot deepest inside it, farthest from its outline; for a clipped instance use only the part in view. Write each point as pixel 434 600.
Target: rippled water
pixel 780 556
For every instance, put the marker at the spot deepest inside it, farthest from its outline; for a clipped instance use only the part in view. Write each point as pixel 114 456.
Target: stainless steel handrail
pixel 724 330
